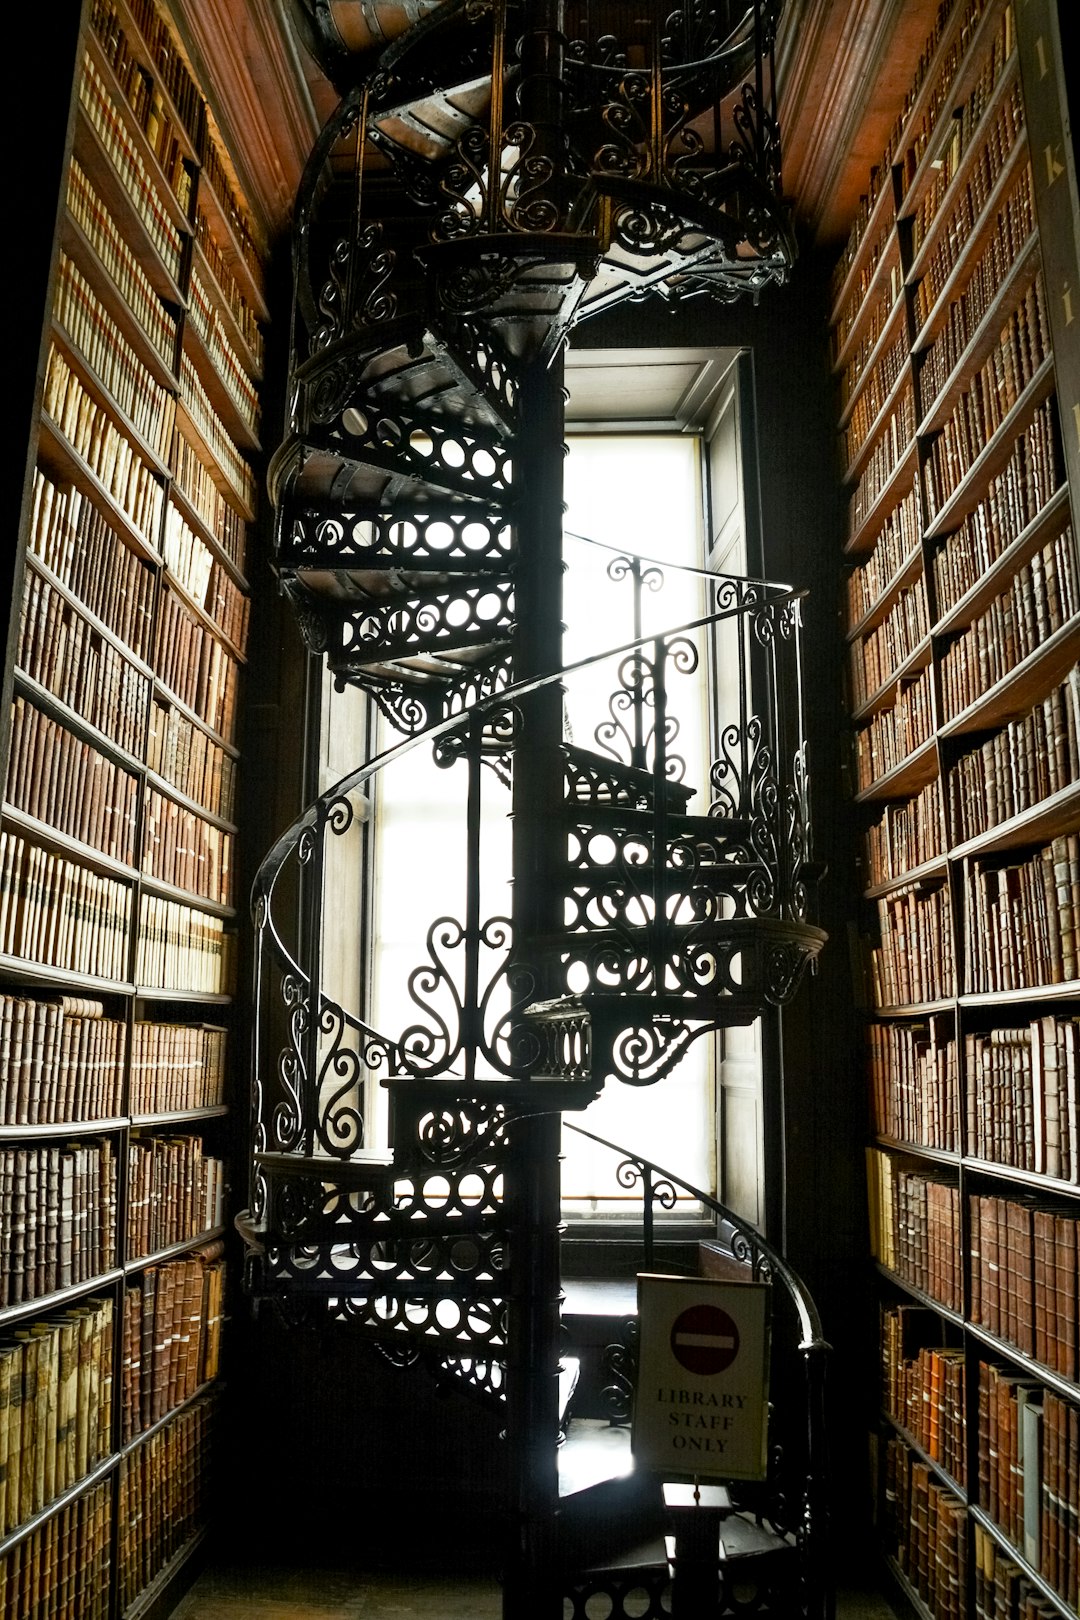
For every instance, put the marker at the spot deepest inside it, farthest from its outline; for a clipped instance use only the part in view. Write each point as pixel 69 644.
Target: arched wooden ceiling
pixel 843 68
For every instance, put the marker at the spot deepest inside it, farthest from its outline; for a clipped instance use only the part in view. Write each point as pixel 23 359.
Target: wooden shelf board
pixel 193 518
pixel 910 569
pixel 73 722
pixel 40 973
pixel 98 166
pixel 62 458
pixel 1024 685
pixel 884 339
pixel 162 785
pixel 1026 995
pixel 912 1444
pixel 862 455
pixel 58 1503
pixel 985 339
pixel 84 256
pixel 171 1250
pixel 235 333
pixel 1016 1177
pixel 236 423
pixel 167 695
pixel 881 206
pixel 204 617
pixel 181 1116
pixel 42 832
pixel 935 1305
pixel 1047 523
pixel 960 274
pixel 59 1296
pixel 915 1009
pixel 994 455
pixel 139 49
pixel 916 1149
pixel 250 285
pixel 106 1126
pixel 185 897
pixel 138 135
pixel 194 434
pixel 916 661
pixel 150 1594
pixel 1030 1573
pixel 1058 814
pixel 99 626
pixel 919 105
pixel 892 492
pixel 941 136
pixel 905 779
pixel 929 871
pixel 200 998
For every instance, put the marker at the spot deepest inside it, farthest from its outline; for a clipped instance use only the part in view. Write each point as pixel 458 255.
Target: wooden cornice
pixel 260 90
pixel 844 67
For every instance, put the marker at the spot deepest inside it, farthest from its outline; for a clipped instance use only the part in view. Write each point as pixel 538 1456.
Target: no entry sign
pixel 700 1404
pixel 704 1340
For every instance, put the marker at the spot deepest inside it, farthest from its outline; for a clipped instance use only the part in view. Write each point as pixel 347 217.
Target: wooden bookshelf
pixel 963 631
pixel 118 841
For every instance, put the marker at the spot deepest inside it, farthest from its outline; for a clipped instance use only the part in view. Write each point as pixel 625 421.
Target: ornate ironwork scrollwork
pixel 619 1365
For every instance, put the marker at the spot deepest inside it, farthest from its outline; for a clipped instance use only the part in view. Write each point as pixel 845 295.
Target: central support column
pixel 533 1189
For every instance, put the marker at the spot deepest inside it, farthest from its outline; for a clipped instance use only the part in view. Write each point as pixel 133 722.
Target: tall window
pixel 641 494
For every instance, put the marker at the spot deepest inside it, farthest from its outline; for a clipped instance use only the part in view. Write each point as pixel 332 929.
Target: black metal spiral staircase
pixel 494 174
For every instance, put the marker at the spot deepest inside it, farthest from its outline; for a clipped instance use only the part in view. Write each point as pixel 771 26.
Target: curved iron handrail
pixel 653 1175
pixel 678 567
pixel 272 863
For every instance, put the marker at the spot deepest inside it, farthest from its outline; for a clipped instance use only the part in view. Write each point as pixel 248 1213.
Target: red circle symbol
pixel 704 1340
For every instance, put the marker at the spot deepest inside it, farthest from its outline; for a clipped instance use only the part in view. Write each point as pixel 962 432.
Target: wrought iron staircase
pixel 493 174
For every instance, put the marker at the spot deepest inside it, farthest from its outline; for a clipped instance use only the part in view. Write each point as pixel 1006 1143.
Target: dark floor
pixel 224 1593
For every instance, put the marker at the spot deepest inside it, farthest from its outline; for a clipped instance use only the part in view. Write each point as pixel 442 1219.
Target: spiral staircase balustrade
pixel 496 171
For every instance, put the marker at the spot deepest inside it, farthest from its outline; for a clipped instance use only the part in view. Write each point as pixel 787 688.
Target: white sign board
pixel 700 1407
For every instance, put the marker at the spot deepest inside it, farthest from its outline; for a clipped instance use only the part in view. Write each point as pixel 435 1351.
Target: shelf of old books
pixel 963 631
pixel 118 843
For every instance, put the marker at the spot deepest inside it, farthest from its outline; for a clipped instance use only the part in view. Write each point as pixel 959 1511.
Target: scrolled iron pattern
pixel 626 115
pixel 588 782
pixel 463 187
pixel 439 1323
pixel 286 1125
pixel 525 182
pixel 467 459
pixel 636 697
pixel 618 1366
pixel 332 298
pixel 483 1378
pixel 785 964
pixel 373 302
pixel 756 142
pixel 340 1125
pixel 648 229
pixel 408 712
pixel 322 1252
pixel 646 1053
pixel 296 1206
pixel 624 566
pixel 323 397
pixel 431 1048
pixel 383 539
pixel 400 627
pixel 728 781
pixel 462 1133
pixel 400 1356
